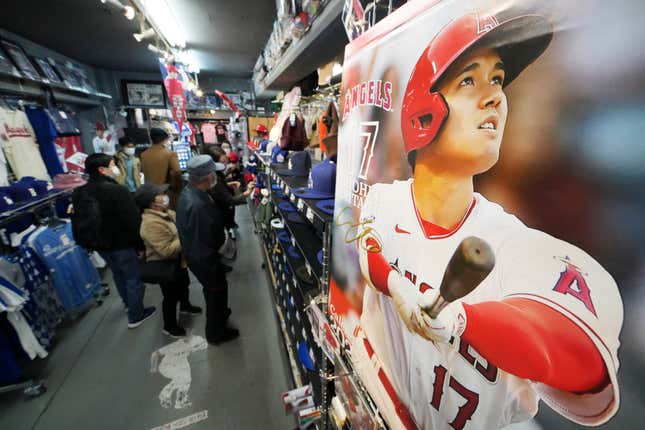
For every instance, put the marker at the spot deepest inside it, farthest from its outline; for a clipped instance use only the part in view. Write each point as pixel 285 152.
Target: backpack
pixel 87 220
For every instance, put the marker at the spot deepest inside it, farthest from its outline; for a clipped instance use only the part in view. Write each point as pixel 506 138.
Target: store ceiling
pixel 227 35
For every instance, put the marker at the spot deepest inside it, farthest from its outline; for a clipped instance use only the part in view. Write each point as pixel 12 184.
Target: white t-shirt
pixel 20 147
pixel 103 146
pixel 448 387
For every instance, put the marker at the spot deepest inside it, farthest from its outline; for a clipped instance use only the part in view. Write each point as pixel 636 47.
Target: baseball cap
pixel 327 206
pixel 158 135
pixel 299 164
pixel 147 193
pixel 319 257
pixel 305 357
pixel 41 187
pixel 279 155
pixel 296 217
pixel 277 223
pixel 303 275
pixel 286 207
pixel 263 145
pixel 6 202
pixel 322 182
pixel 284 236
pixel 294 253
pixel 99 126
pixel 200 166
pixel 22 192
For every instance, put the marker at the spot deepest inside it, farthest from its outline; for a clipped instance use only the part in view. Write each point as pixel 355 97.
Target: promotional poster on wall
pixel 439 261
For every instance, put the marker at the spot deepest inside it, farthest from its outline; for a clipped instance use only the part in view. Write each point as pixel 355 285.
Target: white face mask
pixel 115 171
pixel 129 151
pixel 227 150
pixel 165 201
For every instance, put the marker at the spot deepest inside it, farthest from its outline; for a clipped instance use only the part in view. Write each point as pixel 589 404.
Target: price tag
pixel 62 114
pixel 289 316
pixel 308 267
pixel 293 198
pixel 284 277
pixel 287 190
pixel 288 289
pixel 293 241
pixel 298 316
pixel 301 204
pixel 310 215
pixel 304 334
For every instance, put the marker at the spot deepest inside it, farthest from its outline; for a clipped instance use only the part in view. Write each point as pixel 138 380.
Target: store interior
pixel 297 108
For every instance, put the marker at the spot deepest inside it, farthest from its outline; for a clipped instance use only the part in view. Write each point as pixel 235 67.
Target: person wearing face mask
pixel 118 228
pixel 200 223
pixel 159 234
pixel 129 165
pixel 161 166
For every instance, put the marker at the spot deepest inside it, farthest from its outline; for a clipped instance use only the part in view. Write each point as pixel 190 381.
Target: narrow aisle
pixel 110 386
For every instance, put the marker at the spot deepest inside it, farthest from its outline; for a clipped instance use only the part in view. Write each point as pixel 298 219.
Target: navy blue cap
pixel 322 182
pixel 296 217
pixel 284 236
pixel 22 192
pixel 299 164
pixel 6 202
pixel 294 253
pixel 287 207
pixel 319 256
pixel 327 206
pixel 279 155
pixel 281 195
pixel 304 357
pixel 275 187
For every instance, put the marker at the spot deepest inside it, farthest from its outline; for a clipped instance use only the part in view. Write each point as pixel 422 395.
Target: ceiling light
pixel 337 69
pixel 163 19
pixel 146 34
pixel 128 11
pixel 199 93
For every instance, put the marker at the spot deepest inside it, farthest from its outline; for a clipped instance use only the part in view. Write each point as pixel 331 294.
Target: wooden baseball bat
pixel 472 261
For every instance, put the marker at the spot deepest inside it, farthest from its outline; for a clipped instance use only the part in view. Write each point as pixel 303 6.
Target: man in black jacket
pixel 119 231
pixel 200 223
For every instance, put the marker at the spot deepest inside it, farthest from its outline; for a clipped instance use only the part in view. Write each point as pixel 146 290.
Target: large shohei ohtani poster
pixel 423 111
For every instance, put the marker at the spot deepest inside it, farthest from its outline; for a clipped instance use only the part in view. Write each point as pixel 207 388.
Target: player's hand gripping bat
pixel 472 261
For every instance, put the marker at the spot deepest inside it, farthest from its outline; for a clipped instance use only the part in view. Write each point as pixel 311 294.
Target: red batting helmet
pixel 519 40
pixel 261 128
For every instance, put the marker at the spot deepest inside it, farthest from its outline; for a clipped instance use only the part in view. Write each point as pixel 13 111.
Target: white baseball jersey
pixel 452 386
pixel 19 144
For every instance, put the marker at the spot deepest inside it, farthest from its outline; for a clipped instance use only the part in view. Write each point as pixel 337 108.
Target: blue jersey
pixel 72 273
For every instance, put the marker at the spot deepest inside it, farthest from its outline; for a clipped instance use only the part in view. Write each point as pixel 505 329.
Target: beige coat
pixel 159 234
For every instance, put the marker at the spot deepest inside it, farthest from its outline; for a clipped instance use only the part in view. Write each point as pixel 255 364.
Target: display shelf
pixel 293 363
pixel 28 87
pixel 293 318
pixel 305 239
pixel 34 205
pixel 324 41
pixel 306 207
pixel 304 289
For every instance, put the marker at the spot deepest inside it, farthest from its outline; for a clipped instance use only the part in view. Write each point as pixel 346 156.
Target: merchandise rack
pixel 316 230
pixel 319 230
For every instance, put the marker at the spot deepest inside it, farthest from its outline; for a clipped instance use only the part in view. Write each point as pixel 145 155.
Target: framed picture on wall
pixel 47 70
pixel 20 59
pixel 143 94
pixel 6 66
pixel 68 75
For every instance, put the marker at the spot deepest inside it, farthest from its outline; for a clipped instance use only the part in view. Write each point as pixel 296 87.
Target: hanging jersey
pixel 19 144
pixel 208 131
pixel 73 274
pixel 451 387
pixel 46 134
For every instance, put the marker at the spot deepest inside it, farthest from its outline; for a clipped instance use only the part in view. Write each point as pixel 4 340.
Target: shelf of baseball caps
pixel 310 209
pixel 291 299
pixel 304 240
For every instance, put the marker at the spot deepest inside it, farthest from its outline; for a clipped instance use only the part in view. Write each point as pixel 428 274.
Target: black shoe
pixel 227 268
pixel 175 332
pixel 228 335
pixel 190 309
pixel 105 292
pixel 147 313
